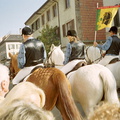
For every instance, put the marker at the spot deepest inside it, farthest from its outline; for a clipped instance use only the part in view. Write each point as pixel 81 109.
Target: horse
pixel 13 70
pixel 94 55
pixel 56 88
pixel 56 56
pixel 90 83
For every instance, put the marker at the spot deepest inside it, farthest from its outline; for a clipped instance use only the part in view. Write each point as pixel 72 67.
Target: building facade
pixel 67 14
pixel 9 43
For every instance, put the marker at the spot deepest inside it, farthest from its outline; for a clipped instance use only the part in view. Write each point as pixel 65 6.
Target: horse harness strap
pixel 49 56
pixel 97 59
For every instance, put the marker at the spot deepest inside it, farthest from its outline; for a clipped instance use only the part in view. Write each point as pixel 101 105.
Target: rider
pixel 75 47
pixel 32 53
pixel 111 46
pixel 74 52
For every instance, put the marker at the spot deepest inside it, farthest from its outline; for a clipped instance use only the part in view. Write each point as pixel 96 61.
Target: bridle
pixel 47 63
pixel 98 59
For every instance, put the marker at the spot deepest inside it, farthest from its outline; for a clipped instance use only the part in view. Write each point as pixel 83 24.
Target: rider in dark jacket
pixel 32 53
pixel 75 47
pixel 111 46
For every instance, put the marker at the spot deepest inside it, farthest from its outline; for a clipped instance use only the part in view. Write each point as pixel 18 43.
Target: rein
pixel 47 64
pixel 95 59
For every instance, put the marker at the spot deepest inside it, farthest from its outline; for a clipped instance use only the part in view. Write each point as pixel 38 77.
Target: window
pixel 43 19
pixel 33 27
pixel 58 32
pixel 64 30
pixel 48 15
pixel 37 24
pixel 54 10
pixel 11 46
pixel 18 46
pixel 70 25
pixel 67 3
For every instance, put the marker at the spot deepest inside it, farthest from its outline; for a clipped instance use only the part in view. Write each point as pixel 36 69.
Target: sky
pixel 14 13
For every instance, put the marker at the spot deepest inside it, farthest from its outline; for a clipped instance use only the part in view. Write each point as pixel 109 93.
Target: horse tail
pixel 65 102
pixel 109 86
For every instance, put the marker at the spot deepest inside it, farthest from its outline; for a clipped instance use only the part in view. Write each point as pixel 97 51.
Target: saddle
pixel 32 72
pixel 77 66
pixel 114 60
pixel 36 68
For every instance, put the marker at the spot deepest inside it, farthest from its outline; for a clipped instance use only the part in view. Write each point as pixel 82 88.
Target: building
pixel 68 14
pixel 10 43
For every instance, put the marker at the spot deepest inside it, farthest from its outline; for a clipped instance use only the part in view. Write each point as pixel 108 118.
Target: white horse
pixel 56 56
pixel 94 55
pixel 90 83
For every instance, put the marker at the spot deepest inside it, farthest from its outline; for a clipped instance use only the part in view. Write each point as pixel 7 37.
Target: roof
pixel 11 38
pixel 40 10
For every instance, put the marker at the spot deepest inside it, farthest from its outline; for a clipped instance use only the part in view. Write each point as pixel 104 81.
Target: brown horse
pixel 13 69
pixel 57 90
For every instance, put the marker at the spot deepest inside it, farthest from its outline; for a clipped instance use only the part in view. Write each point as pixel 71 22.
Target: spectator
pixel 106 111
pixel 24 91
pixel 22 110
pixel 4 81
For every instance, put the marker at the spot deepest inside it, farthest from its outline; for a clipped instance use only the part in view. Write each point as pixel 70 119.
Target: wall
pixel 63 17
pixel 88 20
pixel 66 15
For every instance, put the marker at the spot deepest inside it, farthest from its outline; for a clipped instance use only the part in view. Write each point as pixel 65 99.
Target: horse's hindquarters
pixel 95 81
pixel 88 89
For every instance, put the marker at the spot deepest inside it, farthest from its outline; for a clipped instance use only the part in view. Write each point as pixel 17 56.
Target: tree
pixel 48 37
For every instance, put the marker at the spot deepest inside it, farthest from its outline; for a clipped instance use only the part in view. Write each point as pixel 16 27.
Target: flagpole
pixel 95 36
pixel 95 30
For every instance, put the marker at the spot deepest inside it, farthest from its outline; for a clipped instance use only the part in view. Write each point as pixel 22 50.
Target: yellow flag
pixel 105 16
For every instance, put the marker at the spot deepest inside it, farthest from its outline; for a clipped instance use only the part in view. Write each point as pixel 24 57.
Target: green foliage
pixel 48 37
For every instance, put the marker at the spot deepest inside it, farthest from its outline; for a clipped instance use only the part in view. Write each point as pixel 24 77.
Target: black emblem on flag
pixel 107 18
